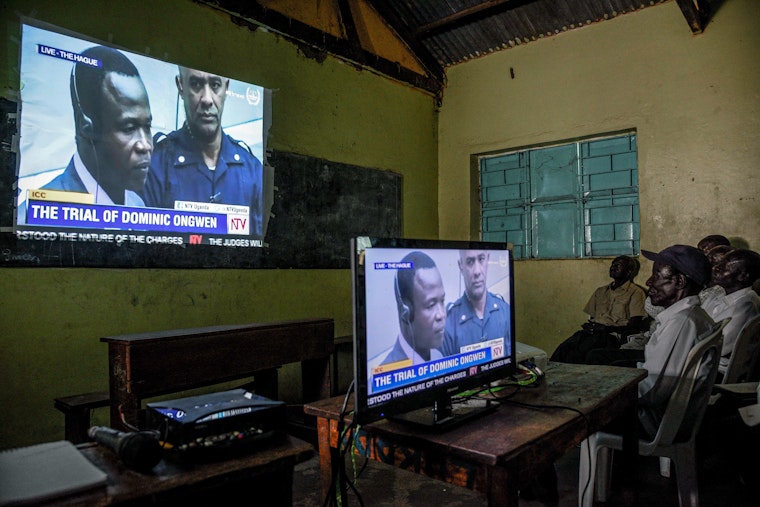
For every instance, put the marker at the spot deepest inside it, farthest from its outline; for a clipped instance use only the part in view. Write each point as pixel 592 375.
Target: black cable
pixel 358 473
pixel 346 441
pixel 588 479
pixel 339 467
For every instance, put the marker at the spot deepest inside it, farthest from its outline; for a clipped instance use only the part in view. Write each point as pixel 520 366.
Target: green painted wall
pixel 52 319
pixel 694 100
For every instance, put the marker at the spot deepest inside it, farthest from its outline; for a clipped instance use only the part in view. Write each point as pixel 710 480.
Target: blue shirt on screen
pixel 179 173
pixel 463 327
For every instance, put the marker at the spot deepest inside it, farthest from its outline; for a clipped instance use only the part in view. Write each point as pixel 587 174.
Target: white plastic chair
pixel 673 440
pixel 743 362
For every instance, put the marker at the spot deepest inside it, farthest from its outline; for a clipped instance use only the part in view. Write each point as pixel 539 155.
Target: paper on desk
pixel 750 414
pixel 45 471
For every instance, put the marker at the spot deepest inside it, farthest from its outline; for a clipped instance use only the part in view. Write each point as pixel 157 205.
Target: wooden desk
pixel 495 453
pixel 145 365
pixel 263 473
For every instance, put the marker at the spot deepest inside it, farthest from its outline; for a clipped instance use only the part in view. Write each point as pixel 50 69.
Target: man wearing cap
pixel 678 274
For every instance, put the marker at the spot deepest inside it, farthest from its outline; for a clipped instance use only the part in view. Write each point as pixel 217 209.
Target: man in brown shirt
pixel 615 310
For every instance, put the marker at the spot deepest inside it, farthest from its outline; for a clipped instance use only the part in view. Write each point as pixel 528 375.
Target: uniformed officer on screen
pixel 478 315
pixel 199 162
pixel 421 311
pixel 112 123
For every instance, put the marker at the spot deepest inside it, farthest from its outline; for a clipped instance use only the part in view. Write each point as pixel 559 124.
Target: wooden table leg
pixel 325 454
pixel 502 486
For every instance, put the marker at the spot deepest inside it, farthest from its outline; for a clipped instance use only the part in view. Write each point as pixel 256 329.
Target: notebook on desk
pixel 45 472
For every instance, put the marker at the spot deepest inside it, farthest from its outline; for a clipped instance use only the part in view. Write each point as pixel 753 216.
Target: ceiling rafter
pixel 696 13
pixel 349 26
pixel 468 15
pixel 252 14
pixel 390 16
pixel 439 33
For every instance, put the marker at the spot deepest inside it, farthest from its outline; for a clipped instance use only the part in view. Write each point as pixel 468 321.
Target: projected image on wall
pixel 119 147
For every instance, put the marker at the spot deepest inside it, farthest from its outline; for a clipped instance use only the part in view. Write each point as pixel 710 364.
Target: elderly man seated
pixel 735 273
pixel 615 310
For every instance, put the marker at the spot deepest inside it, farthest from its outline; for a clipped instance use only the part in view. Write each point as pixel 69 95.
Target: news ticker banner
pixel 136 238
pixel 187 217
pixel 72 216
pixel 404 376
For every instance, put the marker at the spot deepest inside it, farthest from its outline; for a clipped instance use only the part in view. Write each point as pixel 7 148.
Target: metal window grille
pixel 570 200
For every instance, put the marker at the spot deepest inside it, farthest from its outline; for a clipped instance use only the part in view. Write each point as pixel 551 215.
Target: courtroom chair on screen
pixel 675 438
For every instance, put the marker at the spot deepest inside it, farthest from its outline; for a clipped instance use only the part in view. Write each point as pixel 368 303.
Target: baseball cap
pixel 687 259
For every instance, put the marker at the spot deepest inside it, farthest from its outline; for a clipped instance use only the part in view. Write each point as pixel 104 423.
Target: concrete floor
pixel 381 485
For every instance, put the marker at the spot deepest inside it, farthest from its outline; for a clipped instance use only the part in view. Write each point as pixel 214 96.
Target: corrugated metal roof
pixel 442 33
pixel 454 31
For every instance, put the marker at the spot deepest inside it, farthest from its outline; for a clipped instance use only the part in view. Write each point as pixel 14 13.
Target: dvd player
pixel 222 419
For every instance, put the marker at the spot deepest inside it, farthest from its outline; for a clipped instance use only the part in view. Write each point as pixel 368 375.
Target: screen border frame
pixel 363 413
pixel 24 245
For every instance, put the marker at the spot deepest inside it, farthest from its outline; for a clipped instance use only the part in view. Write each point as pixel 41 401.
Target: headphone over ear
pixel 85 126
pixel 404 312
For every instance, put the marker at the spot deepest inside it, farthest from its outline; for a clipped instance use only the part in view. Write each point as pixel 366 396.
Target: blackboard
pixel 317 207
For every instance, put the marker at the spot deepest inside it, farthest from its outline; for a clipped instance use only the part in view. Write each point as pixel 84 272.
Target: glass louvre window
pixel 566 201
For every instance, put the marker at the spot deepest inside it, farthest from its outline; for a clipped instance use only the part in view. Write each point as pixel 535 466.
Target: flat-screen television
pixel 119 147
pixel 432 319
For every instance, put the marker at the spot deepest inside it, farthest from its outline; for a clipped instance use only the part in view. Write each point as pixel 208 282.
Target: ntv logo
pixel 238 224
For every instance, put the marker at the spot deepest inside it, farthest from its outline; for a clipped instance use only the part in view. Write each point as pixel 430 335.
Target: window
pixel 572 200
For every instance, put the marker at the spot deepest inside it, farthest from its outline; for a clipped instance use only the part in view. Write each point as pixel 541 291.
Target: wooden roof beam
pixel 696 12
pixel 468 15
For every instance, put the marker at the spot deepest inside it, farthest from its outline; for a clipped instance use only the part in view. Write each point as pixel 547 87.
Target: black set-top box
pixel 217 419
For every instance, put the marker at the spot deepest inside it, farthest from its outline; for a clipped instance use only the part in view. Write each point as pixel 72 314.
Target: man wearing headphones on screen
pixel 478 315
pixel 201 163
pixel 421 311
pixel 112 122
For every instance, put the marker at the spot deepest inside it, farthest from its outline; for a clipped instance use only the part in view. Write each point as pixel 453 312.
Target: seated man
pixel 715 256
pixel 421 311
pixel 709 242
pixel 736 273
pixel 632 351
pixel 614 310
pixel 678 274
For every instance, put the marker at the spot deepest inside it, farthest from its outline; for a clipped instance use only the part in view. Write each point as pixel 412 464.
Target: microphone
pixel 139 450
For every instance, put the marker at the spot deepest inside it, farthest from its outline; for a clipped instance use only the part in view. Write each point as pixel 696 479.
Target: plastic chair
pixel 673 440
pixel 742 366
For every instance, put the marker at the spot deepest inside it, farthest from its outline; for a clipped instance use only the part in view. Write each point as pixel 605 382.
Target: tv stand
pixel 446 413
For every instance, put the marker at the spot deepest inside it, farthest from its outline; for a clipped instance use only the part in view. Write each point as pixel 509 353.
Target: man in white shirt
pixel 735 273
pixel 679 273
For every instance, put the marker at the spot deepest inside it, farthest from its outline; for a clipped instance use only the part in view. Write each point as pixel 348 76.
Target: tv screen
pixel 432 319
pixel 118 147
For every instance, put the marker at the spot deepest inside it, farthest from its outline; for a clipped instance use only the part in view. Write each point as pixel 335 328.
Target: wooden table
pixel 264 473
pixel 495 453
pixel 146 365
